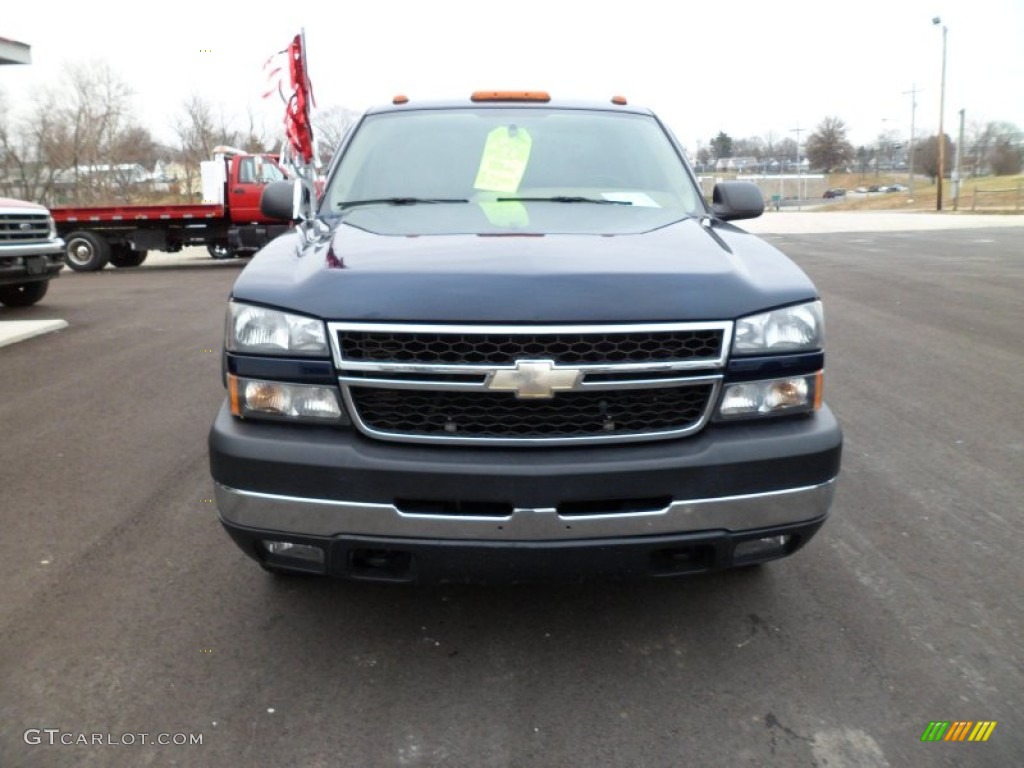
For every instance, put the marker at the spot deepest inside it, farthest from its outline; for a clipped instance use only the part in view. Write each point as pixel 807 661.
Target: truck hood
pixel 682 271
pixel 7 202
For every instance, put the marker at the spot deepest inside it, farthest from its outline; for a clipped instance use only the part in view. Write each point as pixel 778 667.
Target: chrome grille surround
pixel 23 227
pixel 435 371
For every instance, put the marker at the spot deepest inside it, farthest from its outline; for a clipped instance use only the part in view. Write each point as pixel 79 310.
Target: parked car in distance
pixel 31 253
pixel 836 192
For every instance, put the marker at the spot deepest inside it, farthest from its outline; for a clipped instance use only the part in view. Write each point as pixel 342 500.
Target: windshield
pixel 499 169
pixel 259 170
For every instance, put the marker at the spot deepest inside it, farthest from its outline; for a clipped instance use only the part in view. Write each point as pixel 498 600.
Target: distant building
pixel 13 52
pixel 736 164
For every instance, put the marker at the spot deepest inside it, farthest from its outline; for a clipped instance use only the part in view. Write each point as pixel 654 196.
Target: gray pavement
pixel 126 609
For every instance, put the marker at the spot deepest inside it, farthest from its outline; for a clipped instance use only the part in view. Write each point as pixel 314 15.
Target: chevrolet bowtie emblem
pixel 534 379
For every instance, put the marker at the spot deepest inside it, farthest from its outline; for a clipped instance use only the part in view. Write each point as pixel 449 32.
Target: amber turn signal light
pixel 510 96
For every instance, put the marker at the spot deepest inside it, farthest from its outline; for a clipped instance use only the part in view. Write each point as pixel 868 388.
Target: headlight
pixel 53 228
pixel 257 398
pixel 774 397
pixel 793 329
pixel 269 332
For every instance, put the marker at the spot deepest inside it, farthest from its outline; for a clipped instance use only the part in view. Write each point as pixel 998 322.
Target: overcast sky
pixel 746 68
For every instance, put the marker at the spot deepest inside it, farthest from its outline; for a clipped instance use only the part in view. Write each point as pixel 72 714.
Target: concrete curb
pixel 13 331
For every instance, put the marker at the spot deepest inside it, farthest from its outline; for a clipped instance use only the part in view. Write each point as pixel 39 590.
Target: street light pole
pixel 956 164
pixel 942 110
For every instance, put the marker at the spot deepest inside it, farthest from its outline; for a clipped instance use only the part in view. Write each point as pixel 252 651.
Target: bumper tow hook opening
pixel 668 562
pixel 384 564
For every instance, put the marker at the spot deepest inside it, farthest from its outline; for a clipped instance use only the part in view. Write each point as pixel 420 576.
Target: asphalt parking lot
pixel 127 610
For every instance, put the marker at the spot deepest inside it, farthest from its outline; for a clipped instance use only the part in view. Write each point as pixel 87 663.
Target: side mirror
pixel 278 201
pixel 732 200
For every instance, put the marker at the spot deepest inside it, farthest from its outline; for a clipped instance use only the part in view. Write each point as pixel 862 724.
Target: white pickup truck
pixel 31 253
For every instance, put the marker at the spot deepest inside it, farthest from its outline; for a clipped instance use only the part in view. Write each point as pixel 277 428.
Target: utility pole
pixel 956 165
pixel 799 168
pixel 878 156
pixel 942 110
pixel 910 153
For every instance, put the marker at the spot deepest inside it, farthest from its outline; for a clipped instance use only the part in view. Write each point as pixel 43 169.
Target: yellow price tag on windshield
pixel 506 154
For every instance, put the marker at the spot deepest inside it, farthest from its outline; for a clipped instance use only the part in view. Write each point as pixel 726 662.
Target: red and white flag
pixel 273 68
pixel 297 94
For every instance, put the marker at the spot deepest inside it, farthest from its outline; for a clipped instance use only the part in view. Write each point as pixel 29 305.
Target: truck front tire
pixel 23 294
pixel 87 251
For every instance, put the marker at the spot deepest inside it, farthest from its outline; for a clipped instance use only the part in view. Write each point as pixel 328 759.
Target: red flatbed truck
pixel 228 222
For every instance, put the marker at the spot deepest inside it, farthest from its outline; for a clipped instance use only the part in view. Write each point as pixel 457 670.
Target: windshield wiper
pixel 399 201
pixel 564 199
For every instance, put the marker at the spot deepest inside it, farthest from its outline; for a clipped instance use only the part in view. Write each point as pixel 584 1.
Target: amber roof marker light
pixel 510 96
pixel 620 100
pixel 400 99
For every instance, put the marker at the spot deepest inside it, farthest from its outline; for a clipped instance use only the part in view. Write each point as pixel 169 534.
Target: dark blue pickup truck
pixel 515 343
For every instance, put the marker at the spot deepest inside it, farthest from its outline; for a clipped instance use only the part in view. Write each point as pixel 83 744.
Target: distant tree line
pixel 993 147
pixel 81 142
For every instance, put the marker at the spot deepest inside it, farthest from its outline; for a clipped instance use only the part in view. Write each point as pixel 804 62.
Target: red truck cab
pixel 246 177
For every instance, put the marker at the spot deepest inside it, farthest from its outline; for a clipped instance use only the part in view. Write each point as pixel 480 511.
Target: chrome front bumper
pixel 326 517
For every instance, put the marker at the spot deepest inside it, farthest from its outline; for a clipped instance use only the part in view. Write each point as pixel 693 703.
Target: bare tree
pixel 929 156
pixel 752 146
pixel 330 126
pixel 199 132
pixel 770 143
pixel 91 111
pixel 1002 153
pixel 195 129
pixel 135 152
pixel 865 157
pixel 888 142
pixel 1005 157
pixel 11 173
pixel 257 139
pixel 786 149
pixel 980 137
pixel 135 144
pixel 827 147
pixel 704 154
pixel 66 147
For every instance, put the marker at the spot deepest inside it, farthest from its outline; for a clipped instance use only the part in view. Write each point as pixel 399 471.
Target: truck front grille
pixel 522 385
pixel 24 228
pixel 497 415
pixel 579 348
